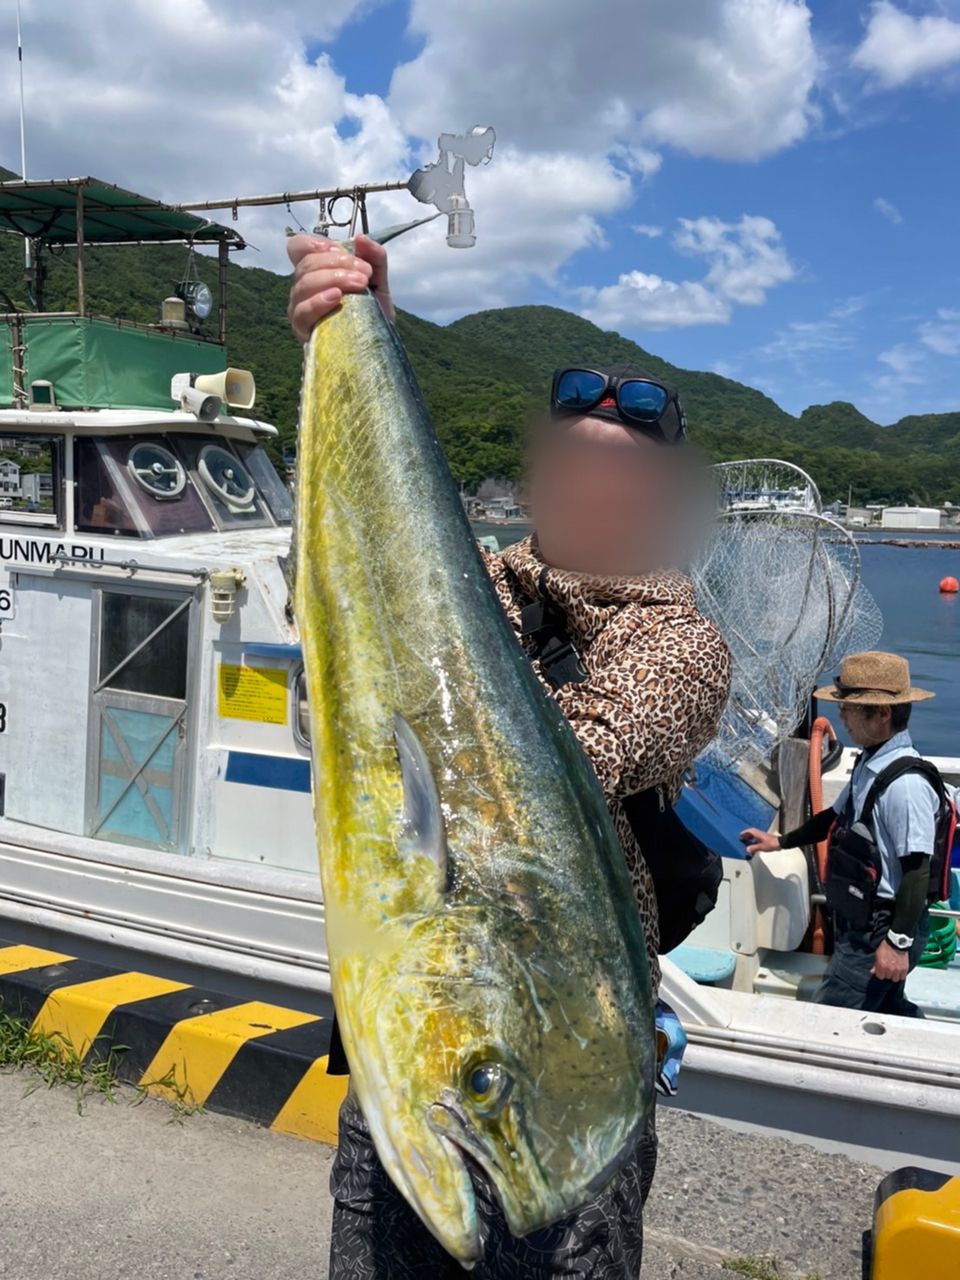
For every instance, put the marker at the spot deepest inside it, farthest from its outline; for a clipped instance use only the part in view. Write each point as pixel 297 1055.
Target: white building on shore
pixel 910 518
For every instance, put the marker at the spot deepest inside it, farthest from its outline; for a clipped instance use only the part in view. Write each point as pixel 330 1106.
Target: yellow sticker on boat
pixel 253 693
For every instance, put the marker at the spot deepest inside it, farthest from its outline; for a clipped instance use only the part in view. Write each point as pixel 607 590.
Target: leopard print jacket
pixel 658 675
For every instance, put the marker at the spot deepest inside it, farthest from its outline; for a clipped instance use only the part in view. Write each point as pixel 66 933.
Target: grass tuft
pixel 54 1061
pixel 757 1268
pixel 754 1268
pixel 178 1096
pixel 51 1060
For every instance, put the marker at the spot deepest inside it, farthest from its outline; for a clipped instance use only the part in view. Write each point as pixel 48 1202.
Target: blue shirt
pixel 905 816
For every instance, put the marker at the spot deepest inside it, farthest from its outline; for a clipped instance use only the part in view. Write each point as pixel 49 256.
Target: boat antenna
pixel 27 260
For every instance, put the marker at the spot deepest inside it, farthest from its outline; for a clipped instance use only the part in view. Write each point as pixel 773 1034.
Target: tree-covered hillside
pixel 484 375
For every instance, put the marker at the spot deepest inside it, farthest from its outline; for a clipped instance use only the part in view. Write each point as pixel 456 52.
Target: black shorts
pixel 377 1236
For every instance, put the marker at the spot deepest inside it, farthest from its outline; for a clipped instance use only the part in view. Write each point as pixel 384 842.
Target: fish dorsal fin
pixel 424 830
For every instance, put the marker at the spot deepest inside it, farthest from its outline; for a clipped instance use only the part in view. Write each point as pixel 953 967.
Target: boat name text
pixel 29 551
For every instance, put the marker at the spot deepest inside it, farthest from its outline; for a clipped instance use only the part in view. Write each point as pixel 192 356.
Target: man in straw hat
pixel 870 963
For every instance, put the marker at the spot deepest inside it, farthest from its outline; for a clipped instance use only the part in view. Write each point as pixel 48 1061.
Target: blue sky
pixel 792 165
pixel 866 204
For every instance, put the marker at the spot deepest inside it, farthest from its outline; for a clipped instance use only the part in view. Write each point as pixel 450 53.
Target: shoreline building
pixel 910 518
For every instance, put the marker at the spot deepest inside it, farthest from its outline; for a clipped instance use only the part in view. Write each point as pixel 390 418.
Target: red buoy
pixel 949 586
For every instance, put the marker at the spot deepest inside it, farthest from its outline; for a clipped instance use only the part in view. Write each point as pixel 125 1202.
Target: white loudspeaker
pixel 234 387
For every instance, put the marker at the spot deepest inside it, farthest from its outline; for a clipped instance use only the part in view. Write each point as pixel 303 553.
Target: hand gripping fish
pixel 486 954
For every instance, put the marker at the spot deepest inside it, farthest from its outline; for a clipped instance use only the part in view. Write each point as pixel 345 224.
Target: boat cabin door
pixel 138 716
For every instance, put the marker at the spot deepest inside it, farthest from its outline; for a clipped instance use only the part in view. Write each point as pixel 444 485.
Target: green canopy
pixel 49 211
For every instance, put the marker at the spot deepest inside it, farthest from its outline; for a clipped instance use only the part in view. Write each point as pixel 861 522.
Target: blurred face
pixel 867 726
pixel 606 499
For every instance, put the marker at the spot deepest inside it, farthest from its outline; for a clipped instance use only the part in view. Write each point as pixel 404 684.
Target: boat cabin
pixel 154 763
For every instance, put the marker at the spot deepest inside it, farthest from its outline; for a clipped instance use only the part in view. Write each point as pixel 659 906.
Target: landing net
pixel 782 582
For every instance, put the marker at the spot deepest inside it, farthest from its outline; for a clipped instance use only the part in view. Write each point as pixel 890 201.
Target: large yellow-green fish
pixel 486 955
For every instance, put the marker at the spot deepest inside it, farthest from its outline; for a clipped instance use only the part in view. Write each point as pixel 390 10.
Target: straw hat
pixel 874 679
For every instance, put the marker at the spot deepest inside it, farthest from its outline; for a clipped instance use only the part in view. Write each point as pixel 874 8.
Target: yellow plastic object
pixel 916 1226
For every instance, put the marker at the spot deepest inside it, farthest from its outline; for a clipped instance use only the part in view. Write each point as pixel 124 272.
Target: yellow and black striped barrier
pixel 258 1061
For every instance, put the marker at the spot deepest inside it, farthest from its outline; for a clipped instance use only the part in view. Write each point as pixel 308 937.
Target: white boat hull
pixel 881 1088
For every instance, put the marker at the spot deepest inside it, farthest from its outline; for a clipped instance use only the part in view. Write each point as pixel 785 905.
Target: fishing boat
pixel 758 485
pixel 879 1087
pixel 785 589
pixel 154 770
pixel 155 805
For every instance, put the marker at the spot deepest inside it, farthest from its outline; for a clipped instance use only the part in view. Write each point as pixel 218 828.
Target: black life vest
pixel 854 864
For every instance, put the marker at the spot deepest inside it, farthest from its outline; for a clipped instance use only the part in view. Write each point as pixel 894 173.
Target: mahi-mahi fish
pixel 486 953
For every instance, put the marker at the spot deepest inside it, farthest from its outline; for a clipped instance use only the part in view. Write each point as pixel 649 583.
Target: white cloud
pixel 639 160
pixel 532 211
pixel 194 98
pixel 725 78
pixel 641 301
pixel 943 334
pixel 304 19
pixel 803 338
pixel 927 359
pixel 902 361
pixel 899 47
pixel 848 307
pixel 190 99
pixel 645 229
pixel 889 211
pixel 745 258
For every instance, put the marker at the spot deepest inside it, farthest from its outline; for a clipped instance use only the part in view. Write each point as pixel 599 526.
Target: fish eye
pixel 487 1086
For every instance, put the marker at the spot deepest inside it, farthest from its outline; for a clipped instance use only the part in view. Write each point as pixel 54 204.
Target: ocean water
pixel 923 625
pixel 918 622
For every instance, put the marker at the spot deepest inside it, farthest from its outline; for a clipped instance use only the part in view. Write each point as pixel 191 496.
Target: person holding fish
pixel 497 1009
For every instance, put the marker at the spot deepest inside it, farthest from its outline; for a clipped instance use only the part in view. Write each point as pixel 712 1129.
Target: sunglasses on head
pixel 637 402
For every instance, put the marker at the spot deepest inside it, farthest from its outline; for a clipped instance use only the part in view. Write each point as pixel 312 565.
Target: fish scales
pixel 486 954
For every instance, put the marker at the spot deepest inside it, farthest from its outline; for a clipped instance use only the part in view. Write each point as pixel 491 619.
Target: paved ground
pixel 122 1192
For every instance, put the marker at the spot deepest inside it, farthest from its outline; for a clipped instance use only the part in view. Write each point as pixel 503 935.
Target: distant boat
pixel 771 500
pixel 765 485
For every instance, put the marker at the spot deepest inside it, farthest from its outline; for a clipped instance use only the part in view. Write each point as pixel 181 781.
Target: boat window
pixel 99 506
pixel 157 486
pixel 227 487
pixel 226 478
pixel 274 491
pixel 143 644
pixel 135 487
pixel 30 478
pixel 301 719
pixel 156 469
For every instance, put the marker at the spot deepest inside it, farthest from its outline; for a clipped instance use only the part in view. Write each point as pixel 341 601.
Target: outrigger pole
pixel 329 197
pixel 440 184
pixel 27 259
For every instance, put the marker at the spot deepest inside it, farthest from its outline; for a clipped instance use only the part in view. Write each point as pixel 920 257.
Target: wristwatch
pixel 899 941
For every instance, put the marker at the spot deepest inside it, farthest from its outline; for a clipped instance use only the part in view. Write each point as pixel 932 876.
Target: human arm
pixel 907 816
pixel 644 714
pixel 906 823
pixel 812 831
pixel 893 962
pixel 324 271
pixel 911 898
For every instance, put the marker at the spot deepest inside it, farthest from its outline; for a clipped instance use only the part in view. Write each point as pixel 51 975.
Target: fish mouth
pixel 534 1204
pixel 433 1176
pixel 468 1248
pixel 524 1213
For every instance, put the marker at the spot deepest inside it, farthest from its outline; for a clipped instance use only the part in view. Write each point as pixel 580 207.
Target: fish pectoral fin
pixel 424 828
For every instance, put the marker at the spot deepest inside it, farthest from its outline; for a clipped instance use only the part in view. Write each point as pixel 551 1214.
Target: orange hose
pixel 822 728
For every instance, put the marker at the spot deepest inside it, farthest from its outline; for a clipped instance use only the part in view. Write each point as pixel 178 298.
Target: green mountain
pixel 485 375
